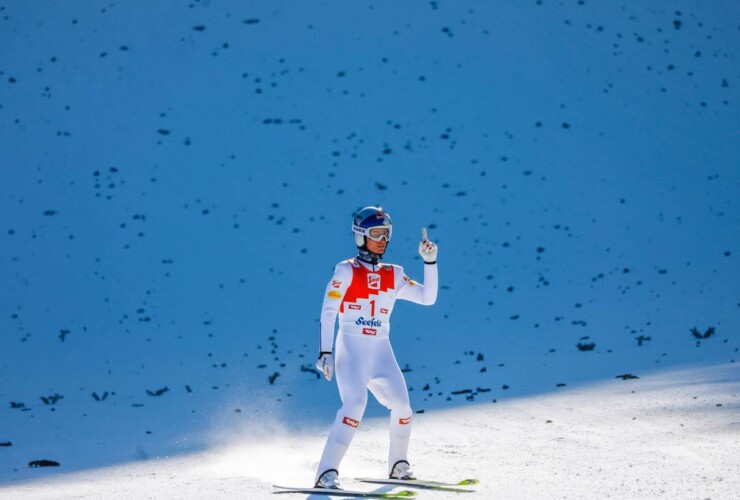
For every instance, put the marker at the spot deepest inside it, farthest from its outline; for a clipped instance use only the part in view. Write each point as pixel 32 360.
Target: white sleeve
pixel 425 294
pixel 333 296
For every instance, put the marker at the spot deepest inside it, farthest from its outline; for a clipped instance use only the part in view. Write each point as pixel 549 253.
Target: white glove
pixel 427 249
pixel 325 364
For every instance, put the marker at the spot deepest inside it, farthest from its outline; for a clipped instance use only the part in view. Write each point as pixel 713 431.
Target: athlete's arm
pixel 332 299
pixel 425 294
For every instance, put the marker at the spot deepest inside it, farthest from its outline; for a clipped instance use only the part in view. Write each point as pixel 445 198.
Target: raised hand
pixel 427 249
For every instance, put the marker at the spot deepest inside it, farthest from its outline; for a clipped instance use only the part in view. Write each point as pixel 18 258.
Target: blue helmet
pixel 366 220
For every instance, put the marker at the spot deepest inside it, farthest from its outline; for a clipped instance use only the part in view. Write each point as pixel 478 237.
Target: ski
pixel 346 493
pixel 429 485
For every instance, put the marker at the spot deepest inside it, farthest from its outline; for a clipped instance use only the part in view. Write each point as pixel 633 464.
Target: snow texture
pixel 177 181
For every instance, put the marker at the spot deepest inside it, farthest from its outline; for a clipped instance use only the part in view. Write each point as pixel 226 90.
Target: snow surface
pixel 658 436
pixel 176 185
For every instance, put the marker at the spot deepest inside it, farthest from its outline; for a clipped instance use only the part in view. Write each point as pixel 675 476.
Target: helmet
pixel 367 219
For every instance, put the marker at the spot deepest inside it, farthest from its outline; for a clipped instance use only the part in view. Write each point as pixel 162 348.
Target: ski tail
pixel 467 482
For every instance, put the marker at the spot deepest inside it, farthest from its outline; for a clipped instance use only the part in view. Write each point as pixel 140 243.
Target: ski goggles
pixel 376 233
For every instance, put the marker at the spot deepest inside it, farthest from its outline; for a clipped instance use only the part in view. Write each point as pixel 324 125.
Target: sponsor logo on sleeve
pixel 404 421
pixel 334 295
pixel 336 284
pixel 369 331
pixel 354 307
pixel 405 278
pixel 351 422
pixel 373 281
pixel 383 310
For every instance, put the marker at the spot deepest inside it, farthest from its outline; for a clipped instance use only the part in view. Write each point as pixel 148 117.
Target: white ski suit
pixel 363 295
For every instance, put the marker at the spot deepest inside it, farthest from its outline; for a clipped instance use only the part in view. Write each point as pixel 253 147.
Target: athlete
pixel 362 292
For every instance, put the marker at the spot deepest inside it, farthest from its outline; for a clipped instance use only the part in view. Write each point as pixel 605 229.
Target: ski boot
pixel 401 470
pixel 328 479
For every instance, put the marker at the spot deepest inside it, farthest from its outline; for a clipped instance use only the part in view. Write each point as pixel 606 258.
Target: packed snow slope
pixel 177 181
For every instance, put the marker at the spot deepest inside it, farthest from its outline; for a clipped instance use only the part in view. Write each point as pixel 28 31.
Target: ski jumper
pixel 363 296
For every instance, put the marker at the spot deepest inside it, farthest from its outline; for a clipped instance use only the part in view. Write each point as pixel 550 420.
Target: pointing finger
pixel 423 234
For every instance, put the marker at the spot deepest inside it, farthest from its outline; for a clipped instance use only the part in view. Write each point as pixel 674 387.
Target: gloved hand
pixel 427 249
pixel 325 364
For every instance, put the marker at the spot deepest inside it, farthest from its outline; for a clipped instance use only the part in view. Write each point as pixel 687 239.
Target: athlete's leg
pixel 389 388
pixel 351 374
